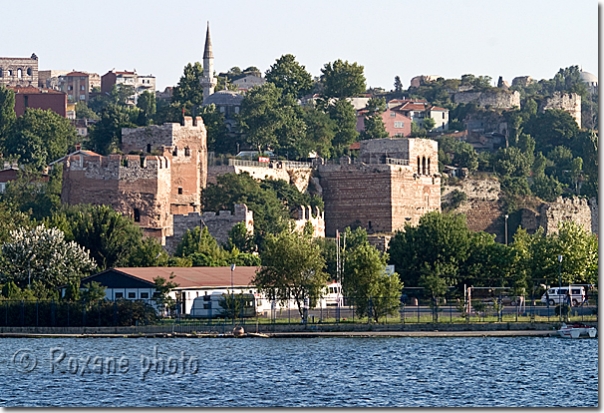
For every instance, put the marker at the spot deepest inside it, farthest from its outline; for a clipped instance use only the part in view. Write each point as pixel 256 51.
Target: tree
pixel 320 132
pixel 146 103
pixel 291 77
pixel 512 162
pixel 106 134
pixel 398 86
pixel 189 92
pixel 42 254
pixel 261 116
pixel 342 79
pixel 218 138
pixel 203 249
pixel 375 293
pixel 148 253
pixel 374 125
pixel 39 137
pixel 241 238
pixel 30 195
pixel 439 239
pixel 163 288
pixel 551 128
pixel 84 112
pixel 344 116
pixel 93 292
pixel 428 123
pixel 292 268
pixel 7 114
pixel 110 237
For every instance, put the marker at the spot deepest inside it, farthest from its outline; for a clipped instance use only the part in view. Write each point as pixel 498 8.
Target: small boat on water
pixel 576 330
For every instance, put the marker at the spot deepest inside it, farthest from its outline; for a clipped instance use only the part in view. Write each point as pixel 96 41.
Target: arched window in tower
pixel 187 151
pixel 428 166
pixel 419 171
pixel 423 165
pixel 19 73
pixel 175 151
pixel 148 148
pixel 29 71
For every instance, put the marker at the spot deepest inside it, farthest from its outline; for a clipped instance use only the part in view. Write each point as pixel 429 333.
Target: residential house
pixel 11 173
pixel 396 123
pixel 140 83
pixel 418 109
pixel 247 82
pixel 38 98
pixel 76 85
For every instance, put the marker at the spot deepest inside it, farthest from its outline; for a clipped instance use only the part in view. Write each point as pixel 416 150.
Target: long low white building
pixel 138 283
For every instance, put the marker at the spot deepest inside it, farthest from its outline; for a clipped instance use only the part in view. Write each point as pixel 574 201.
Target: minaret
pixel 208 81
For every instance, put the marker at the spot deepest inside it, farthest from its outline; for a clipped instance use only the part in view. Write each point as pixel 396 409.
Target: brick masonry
pixel 382 197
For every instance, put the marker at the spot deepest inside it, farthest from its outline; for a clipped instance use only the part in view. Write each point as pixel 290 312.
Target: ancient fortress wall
pixel 218 224
pixel 300 177
pixel 568 102
pixel 316 218
pixel 496 99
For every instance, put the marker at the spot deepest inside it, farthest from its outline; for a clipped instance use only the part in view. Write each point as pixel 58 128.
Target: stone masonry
pixel 497 99
pixel 395 183
pixel 218 224
pixel 568 102
pixel 161 177
pixel 19 71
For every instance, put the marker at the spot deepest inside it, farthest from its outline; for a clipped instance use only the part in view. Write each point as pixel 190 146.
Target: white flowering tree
pixel 41 254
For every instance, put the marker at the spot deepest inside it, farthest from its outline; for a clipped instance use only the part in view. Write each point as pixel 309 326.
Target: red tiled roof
pixel 189 277
pixel 355 145
pixel 77 74
pixel 33 89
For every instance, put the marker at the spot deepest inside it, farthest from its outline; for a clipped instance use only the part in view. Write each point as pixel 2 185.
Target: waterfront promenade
pixel 296 331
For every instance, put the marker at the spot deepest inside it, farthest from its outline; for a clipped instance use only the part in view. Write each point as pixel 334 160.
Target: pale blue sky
pixel 388 37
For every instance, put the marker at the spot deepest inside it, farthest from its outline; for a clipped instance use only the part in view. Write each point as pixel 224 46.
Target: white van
pixel 558 295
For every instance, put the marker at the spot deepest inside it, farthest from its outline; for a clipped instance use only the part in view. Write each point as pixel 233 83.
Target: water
pixel 363 372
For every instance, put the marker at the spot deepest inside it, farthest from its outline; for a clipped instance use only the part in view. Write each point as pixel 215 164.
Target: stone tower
pixel 208 81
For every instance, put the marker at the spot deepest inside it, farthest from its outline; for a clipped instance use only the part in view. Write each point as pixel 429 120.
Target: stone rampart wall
pixel 496 99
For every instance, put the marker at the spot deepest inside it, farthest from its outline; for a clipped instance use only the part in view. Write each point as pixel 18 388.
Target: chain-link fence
pixel 380 310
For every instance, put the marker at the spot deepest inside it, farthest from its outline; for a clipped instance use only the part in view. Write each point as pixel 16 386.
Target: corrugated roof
pixel 200 277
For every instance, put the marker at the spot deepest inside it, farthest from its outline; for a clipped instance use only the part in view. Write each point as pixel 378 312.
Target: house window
pixel 81 87
pixel 222 108
pixel 131 295
pixel 82 97
pixel 119 295
pixel 236 109
pixel 144 295
pixel 187 151
pixel 399 125
pixel 179 191
pixel 443 115
pixel 70 87
pixel 26 101
pixel 137 215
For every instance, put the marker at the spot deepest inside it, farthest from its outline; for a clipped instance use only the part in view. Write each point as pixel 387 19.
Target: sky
pixel 388 38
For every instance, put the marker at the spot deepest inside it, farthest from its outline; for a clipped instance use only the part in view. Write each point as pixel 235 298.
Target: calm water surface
pixel 407 372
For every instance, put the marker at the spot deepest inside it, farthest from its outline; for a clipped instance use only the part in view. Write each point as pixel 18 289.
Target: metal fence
pixel 18 313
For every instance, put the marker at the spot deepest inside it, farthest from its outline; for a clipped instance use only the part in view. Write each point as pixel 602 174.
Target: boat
pixel 577 330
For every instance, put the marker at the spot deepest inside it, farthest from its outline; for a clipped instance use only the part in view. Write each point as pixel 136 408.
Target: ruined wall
pixel 568 102
pixel 299 177
pixel 137 187
pixel 565 209
pixel 186 148
pixel 19 71
pixel 218 224
pixel 494 99
pixel 305 214
pixel 382 197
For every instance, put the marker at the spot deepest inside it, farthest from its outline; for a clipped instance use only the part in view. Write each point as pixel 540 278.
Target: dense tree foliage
pixel 291 77
pixel 292 268
pixel 341 79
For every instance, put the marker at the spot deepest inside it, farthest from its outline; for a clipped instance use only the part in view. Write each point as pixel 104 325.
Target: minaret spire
pixel 208 81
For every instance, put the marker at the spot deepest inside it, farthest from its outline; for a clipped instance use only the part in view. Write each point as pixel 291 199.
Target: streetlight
pixel 232 296
pixel 560 282
pixel 506 228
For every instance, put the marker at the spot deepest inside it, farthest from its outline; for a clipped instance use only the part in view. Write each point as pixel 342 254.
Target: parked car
pixel 558 295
